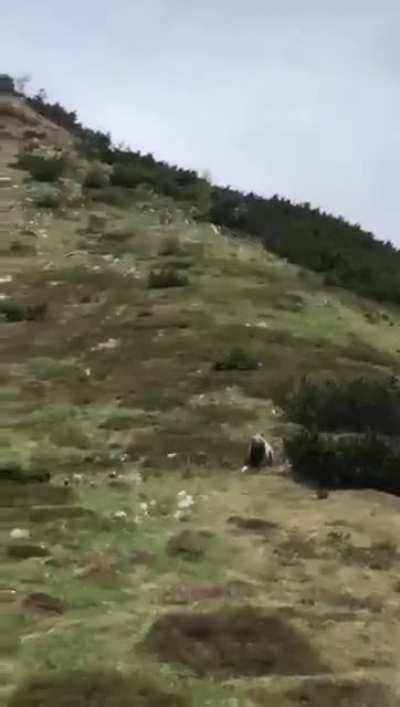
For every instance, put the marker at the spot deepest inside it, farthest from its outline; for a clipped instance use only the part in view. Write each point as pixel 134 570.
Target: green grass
pixel 154 410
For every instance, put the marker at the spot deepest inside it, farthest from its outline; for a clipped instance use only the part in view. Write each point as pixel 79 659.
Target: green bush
pixel 167 277
pixel 346 461
pixel 49 198
pixel 96 177
pixel 114 196
pixel 170 246
pixel 42 169
pixel 130 175
pixel 237 360
pixel 11 311
pixel 93 688
pixel 355 406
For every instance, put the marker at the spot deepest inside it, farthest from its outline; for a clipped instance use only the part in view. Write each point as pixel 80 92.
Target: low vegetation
pixel 42 169
pixel 167 277
pixel 100 688
pixel 12 311
pixel 346 461
pixel 358 405
pixel 237 359
pixel 341 252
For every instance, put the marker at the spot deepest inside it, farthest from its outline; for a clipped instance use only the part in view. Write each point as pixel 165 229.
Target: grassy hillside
pixel 342 252
pixel 149 552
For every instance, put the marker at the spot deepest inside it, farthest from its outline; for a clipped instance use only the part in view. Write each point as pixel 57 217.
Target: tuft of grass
pixel 170 246
pixel 167 277
pixel 237 360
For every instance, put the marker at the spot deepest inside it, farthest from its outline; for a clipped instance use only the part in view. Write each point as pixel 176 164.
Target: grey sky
pixel 296 97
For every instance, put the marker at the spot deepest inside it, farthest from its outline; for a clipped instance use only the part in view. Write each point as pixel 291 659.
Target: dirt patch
pixel 43 602
pixel 327 695
pixel 296 547
pixel 143 558
pixel 105 688
pixel 378 556
pixel 190 593
pixel 189 544
pixel 233 642
pixel 343 695
pixel 252 525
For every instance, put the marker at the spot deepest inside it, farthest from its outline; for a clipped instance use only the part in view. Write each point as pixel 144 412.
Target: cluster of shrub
pixel 349 435
pixel 343 253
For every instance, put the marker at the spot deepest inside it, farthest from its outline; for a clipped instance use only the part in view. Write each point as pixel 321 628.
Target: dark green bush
pixel 48 199
pixel 95 688
pixel 96 177
pixel 167 277
pixel 130 175
pixel 11 311
pixel 237 360
pixel 114 196
pixel 346 461
pixel 355 406
pixel 43 169
pixel 170 246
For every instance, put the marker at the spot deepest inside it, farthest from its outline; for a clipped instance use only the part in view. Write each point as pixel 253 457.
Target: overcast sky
pixel 296 97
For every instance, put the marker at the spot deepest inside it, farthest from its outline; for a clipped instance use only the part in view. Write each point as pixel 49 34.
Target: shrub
pixel 120 232
pixel 170 246
pixel 86 688
pixel 96 177
pixel 355 406
pixel 237 360
pixel 130 175
pixel 114 196
pixel 43 169
pixel 167 277
pixel 347 461
pixel 11 311
pixel 48 199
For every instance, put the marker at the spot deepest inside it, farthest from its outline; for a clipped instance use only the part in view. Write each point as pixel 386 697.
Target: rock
pixel 38 601
pixel 20 534
pixel 25 551
pixel 322 494
pixel 143 557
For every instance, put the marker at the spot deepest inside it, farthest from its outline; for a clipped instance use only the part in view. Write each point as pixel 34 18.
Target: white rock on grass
pixel 20 534
pixel 108 345
pixel 120 515
pixel 6 278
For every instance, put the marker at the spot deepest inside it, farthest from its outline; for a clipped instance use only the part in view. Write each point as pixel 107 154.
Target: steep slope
pixel 147 515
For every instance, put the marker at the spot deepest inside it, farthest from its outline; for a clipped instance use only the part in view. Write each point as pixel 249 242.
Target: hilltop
pixel 142 547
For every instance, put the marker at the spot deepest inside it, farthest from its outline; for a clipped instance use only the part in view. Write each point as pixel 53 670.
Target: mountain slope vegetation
pixel 343 253
pixel 140 348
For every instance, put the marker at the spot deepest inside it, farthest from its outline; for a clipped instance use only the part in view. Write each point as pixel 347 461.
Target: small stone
pixel 121 515
pixel 20 534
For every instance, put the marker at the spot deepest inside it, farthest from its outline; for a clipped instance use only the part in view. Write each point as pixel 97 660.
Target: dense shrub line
pixel 346 461
pixel 350 434
pixel 359 405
